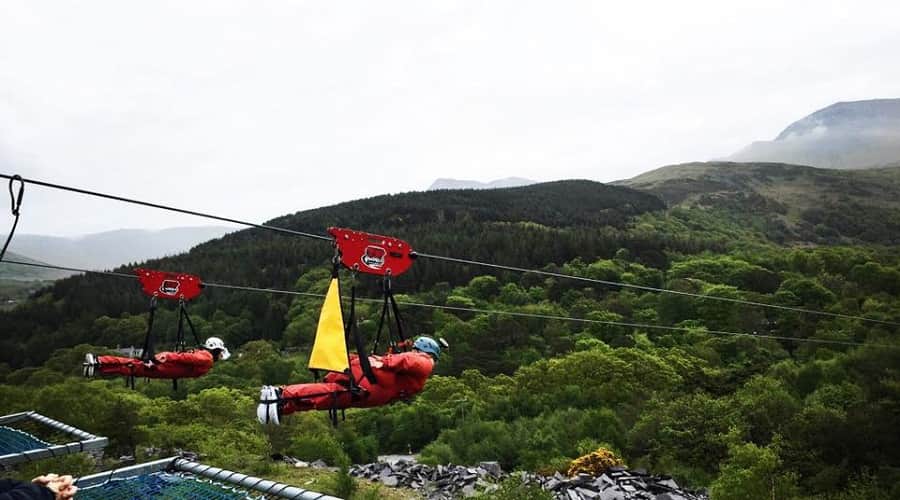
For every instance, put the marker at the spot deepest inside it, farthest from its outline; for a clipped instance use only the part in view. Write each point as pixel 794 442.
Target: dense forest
pixel 746 416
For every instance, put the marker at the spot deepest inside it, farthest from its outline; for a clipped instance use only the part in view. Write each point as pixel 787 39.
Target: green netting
pixel 162 485
pixel 16 441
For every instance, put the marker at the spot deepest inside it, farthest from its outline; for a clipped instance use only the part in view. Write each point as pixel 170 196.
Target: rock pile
pixel 617 483
pixel 436 483
pixel 454 481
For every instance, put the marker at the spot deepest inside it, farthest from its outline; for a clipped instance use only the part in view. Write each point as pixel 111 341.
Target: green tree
pixel 753 473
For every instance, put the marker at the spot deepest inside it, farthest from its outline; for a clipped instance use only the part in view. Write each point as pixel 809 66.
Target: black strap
pixel 332 414
pixel 193 330
pixel 15 203
pixel 179 333
pixel 183 316
pixel 384 312
pixel 400 337
pixel 179 337
pixel 147 353
pixel 352 329
pixel 129 381
pixel 390 312
pixel 180 344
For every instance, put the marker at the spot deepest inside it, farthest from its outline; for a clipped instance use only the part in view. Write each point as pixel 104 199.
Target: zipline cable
pixel 169 208
pixel 463 261
pixel 73 269
pixel 489 311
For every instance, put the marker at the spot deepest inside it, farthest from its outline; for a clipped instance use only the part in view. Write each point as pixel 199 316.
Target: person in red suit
pixel 168 365
pixel 398 376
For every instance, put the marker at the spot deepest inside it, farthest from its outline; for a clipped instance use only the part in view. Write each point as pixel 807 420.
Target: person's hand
pixel 160 358
pixel 376 363
pixel 46 478
pixel 61 486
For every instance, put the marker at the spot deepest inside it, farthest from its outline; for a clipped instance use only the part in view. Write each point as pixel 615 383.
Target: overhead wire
pixel 64 268
pixel 465 261
pixel 169 208
pixel 488 311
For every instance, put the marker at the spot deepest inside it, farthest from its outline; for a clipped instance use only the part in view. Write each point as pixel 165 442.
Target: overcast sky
pixel 254 109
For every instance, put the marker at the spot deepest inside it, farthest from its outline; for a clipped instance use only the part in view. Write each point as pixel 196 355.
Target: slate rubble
pixel 446 482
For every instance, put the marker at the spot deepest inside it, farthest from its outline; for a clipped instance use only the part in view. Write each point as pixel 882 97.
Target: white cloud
pixel 256 109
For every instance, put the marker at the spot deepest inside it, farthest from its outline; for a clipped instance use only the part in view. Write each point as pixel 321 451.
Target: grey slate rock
pixel 448 482
pixel 612 494
pixel 668 483
pixel 586 493
pixel 493 468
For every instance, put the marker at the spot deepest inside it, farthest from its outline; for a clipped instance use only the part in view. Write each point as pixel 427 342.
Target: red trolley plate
pixel 372 253
pixel 172 286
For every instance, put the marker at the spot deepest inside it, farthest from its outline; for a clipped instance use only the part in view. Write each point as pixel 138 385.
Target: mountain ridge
pixel 109 249
pixel 507 182
pixel 844 135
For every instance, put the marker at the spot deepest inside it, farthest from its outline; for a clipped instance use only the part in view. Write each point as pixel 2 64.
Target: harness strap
pixel 148 352
pixel 352 329
pixel 332 412
pixel 179 333
pixel 384 312
pixel 400 337
pixel 390 312
pixel 129 381
pixel 183 316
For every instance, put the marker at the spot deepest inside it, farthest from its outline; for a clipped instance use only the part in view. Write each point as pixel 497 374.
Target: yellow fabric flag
pixel 329 349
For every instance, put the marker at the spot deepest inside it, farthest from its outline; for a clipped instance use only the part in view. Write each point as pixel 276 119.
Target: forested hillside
pixel 745 415
pixel 530 226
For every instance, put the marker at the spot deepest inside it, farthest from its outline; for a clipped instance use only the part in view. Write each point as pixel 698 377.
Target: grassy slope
pixel 796 197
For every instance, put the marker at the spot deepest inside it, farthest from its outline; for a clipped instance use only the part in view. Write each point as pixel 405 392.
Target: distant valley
pixel 103 250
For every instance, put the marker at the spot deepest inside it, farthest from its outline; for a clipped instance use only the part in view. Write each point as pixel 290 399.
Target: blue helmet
pixel 428 345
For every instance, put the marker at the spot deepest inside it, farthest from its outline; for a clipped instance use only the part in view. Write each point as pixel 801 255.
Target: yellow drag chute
pixel 330 347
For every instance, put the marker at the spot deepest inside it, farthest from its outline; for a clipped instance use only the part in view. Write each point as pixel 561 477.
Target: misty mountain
pixel 16 272
pixel 855 134
pixel 508 182
pixel 113 248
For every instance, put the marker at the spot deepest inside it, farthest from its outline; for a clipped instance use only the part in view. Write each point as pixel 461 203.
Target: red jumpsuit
pixel 172 365
pixel 400 376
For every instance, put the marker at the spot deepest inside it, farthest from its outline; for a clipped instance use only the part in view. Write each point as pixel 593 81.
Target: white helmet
pixel 214 343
